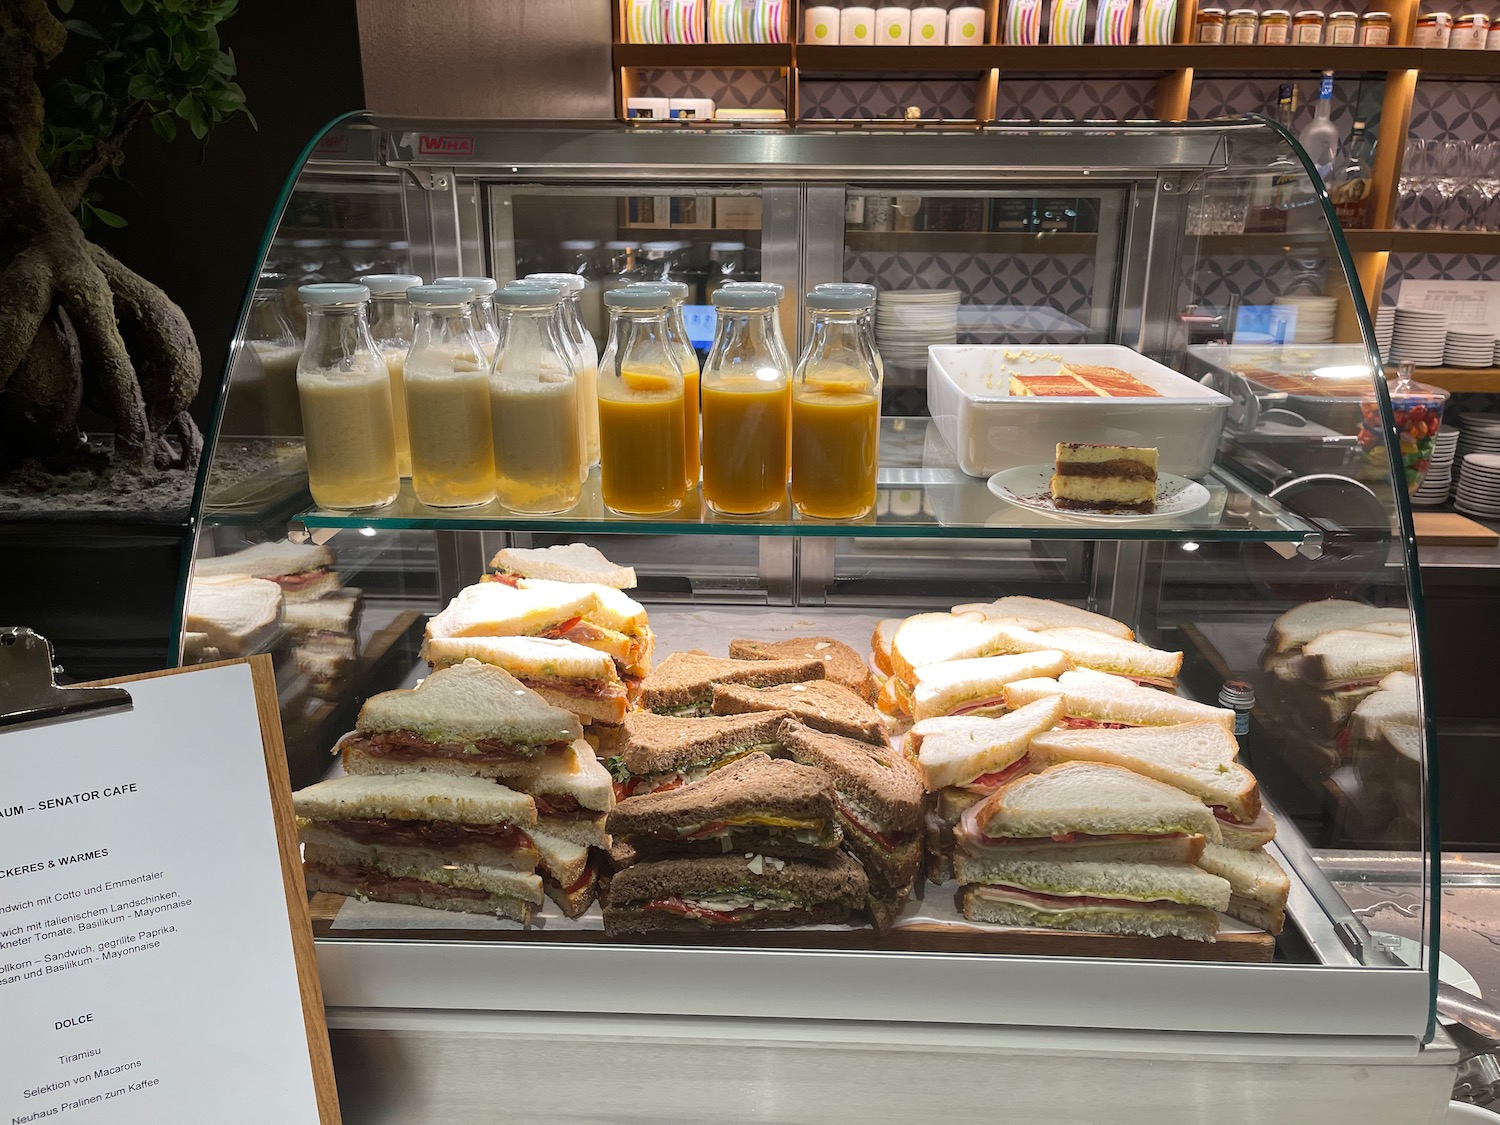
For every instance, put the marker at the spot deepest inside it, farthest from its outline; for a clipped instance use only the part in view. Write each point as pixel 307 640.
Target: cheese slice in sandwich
pixel 976 685
pixel 303 571
pixel 1143 899
pixel 1094 699
pixel 757 804
pixel 1258 887
pixel 1347 659
pixel 1041 614
pixel 1096 651
pixel 1088 810
pixel 236 615
pixel 657 753
pixel 730 892
pixel 683 684
pixel 1310 620
pixel 820 704
pixel 420 877
pixel 565 562
pixel 567 675
pixel 978 752
pixel 841 664
pixel 882 641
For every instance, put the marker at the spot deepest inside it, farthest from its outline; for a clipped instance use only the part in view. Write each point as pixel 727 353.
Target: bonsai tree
pixel 75 324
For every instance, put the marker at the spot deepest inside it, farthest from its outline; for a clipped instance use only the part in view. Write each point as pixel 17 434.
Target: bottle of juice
pixel 481 308
pixel 585 356
pixel 640 406
pixel 866 318
pixel 537 425
pixel 687 358
pixel 745 386
pixel 836 410
pixel 447 402
pixel 345 392
pixel 263 384
pixel 391 324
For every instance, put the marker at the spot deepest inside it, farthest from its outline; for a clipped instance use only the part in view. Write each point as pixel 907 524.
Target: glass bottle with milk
pixel 534 414
pixel 447 402
pixel 263 386
pixel 687 358
pixel 585 356
pixel 481 309
pixel 391 325
pixel 345 393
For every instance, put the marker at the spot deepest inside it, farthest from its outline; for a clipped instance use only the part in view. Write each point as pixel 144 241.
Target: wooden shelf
pixel 1440 241
pixel 691 56
pixel 826 61
pixel 945 241
pixel 1436 63
pixel 1468 380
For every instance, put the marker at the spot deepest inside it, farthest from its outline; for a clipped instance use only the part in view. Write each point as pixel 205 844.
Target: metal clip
pixel 28 693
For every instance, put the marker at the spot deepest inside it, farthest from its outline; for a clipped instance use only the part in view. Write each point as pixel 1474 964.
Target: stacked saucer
pixel 1419 337
pixel 1385 324
pixel 1311 317
pixel 1438 481
pixel 1479 486
pixel 908 320
pixel 1469 347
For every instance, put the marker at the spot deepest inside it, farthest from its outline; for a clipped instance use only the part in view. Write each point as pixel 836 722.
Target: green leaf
pixel 184 108
pixel 253 123
pixel 108 218
pixel 142 87
pixel 165 127
pixel 79 27
pixel 65 6
pixel 132 7
pixel 199 126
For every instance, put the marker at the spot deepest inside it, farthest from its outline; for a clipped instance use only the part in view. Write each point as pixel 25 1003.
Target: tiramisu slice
pixel 1104 478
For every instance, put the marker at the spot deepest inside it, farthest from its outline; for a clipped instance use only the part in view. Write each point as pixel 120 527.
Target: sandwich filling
pixel 974 839
pixel 730 906
pixel 1261 823
pixel 432 834
pixel 867 824
pixel 368 882
pixel 1064 902
pixel 293 583
pixel 405 745
pixel 987 783
pixel 802 830
pixel 632 785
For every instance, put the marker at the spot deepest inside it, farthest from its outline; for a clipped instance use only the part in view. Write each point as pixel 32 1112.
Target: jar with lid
pixel 391 325
pixel 1307 28
pixel 622 269
pixel 481 308
pixel 1275 27
pixel 726 263
pixel 1492 40
pixel 836 409
pixel 585 357
pixel 1375 29
pixel 746 408
pixel 1433 29
pixel 640 406
pixel 447 401
pixel 1242 25
pixel 866 317
pixel 580 256
pixel 263 383
pixel 658 261
pixel 1210 25
pixel 1342 29
pixel 1469 32
pixel 687 359
pixel 345 393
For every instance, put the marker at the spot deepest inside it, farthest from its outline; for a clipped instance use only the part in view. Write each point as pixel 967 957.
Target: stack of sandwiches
pixel 1384 740
pixel 478 726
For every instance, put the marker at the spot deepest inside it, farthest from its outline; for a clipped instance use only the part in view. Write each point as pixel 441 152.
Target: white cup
pixel 893 26
pixel 966 27
pixel 821 25
pixel 857 27
pixel 929 27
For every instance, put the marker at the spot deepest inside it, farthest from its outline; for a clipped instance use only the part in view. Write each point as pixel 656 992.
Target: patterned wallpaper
pixel 1232 96
pixel 731 89
pixel 1430 267
pixel 1064 282
pixel 1076 99
pixel 1456 111
pixel 851 99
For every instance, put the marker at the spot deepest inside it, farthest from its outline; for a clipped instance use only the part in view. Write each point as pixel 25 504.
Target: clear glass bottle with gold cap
pixel 391 325
pixel 345 393
pixel 537 424
pixel 746 410
pixel 585 357
pixel 687 359
pixel 640 406
pixel 836 409
pixel 481 309
pixel 447 402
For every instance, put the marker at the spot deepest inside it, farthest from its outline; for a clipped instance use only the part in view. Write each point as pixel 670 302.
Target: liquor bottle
pixel 1320 137
pixel 1353 181
pixel 1268 195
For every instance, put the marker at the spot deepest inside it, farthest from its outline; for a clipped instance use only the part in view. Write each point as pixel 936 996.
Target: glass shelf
pixel 924 494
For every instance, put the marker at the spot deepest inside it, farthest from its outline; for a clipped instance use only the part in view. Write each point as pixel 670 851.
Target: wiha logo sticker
pixel 444 145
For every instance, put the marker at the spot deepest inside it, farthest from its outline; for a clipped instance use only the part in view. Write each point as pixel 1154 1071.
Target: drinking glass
pixel 1487 176
pixel 1449 162
pixel 1413 183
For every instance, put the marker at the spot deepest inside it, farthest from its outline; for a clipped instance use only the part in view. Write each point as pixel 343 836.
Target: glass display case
pixel 1205 248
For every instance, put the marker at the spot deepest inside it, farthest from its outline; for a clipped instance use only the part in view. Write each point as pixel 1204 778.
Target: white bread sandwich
pixel 333 616
pixel 419 877
pixel 1097 652
pixel 566 562
pixel 1087 810
pixel 1348 659
pixel 683 684
pixel 976 685
pixel 841 664
pixel 197 650
pixel 1393 701
pixel 1310 620
pixel 1093 699
pixel 978 752
pixel 882 640
pixel 1258 887
pixel 582 680
pixel 325 663
pixel 931 638
pixel 658 753
pixel 1144 899
pixel 237 615
pixel 303 571
pixel 1041 614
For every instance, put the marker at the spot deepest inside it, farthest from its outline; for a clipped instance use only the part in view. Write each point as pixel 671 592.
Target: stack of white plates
pixel 1438 482
pixel 1419 337
pixel 1312 317
pixel 1385 324
pixel 1497 353
pixel 1479 486
pixel 1469 347
pixel 908 320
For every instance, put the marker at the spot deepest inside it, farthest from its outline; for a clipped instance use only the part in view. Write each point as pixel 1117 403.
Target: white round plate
pixel 1030 487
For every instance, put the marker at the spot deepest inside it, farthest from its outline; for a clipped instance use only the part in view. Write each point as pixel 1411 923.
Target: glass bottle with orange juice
pixel 446 380
pixel 537 425
pixel 745 386
pixel 391 325
pixel 345 394
pixel 641 411
pixel 687 358
pixel 836 410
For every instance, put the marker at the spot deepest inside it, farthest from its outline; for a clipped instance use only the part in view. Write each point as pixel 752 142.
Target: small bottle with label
pixel 1239 697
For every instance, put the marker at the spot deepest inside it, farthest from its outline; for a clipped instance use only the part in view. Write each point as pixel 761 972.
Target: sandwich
pixel 457 843
pixel 663 752
pixel 570 676
pixel 1087 810
pixel 1041 614
pixel 1095 699
pixel 1096 651
pixel 757 804
pixel 683 684
pixel 1393 701
pixel 1350 659
pixel 733 892
pixel 325 663
pixel 841 664
pixel 878 802
pixel 820 704
pixel 1306 622
pixel 932 638
pixel 569 871
pixel 236 615
pixel 332 617
pixel 1258 887
pixel 303 571
pixel 976 685
pixel 979 753
pixel 197 650
pixel 566 562
pixel 1143 899
pixel 1197 758
pixel 882 640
